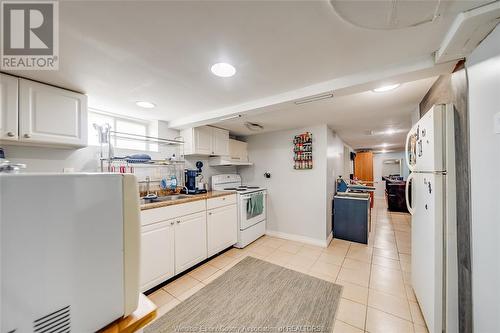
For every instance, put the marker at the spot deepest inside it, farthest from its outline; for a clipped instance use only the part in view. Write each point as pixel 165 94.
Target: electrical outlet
pixel 496 121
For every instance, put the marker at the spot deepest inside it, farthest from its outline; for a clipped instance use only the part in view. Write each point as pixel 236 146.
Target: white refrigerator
pixel 430 156
pixel 69 251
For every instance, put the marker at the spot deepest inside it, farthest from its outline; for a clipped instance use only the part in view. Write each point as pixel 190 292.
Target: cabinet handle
pixel 172 223
pixel 210 213
pixel 178 222
pixel 11 134
pixel 223 198
pixel 27 136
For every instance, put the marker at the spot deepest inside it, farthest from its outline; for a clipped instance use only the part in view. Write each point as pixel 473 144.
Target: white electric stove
pixel 251 225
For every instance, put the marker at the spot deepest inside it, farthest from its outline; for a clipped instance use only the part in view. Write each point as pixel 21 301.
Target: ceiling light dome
pixel 223 69
pixel 388 15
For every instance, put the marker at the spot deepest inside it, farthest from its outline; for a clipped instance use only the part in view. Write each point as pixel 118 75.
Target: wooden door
pixel 363 166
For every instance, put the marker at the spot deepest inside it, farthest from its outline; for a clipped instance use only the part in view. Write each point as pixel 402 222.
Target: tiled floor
pixel 377 295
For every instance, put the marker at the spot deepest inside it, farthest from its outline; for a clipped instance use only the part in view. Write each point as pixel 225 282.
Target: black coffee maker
pixel 191 181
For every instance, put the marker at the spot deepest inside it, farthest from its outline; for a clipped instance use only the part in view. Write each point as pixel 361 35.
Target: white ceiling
pixel 119 52
pixel 161 51
pixel 352 116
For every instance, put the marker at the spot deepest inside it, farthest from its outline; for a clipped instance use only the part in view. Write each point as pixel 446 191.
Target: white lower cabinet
pixel 157 253
pixel 190 241
pixel 170 245
pixel 221 228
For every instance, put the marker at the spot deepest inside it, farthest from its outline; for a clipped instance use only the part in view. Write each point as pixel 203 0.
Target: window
pixel 119 124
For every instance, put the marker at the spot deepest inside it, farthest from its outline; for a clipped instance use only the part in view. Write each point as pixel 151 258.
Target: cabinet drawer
pixel 165 213
pixel 221 201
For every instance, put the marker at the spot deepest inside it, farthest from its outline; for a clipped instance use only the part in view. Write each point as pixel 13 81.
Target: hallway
pixel 377 295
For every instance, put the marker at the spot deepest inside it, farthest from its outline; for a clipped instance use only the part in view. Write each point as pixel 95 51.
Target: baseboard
pixel 329 239
pixel 302 239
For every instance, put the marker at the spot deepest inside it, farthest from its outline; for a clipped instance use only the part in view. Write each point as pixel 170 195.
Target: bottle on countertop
pixel 173 182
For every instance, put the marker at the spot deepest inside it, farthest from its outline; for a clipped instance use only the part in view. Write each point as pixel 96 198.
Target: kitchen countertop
pixel 194 197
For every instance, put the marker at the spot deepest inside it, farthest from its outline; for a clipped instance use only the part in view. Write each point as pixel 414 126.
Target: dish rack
pixel 153 168
pixel 303 151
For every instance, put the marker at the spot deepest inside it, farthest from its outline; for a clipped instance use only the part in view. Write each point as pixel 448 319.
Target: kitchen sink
pixel 165 198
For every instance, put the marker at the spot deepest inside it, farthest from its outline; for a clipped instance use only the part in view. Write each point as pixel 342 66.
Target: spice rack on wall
pixel 303 151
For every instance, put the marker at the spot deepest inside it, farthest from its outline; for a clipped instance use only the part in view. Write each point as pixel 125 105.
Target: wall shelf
pixel 302 151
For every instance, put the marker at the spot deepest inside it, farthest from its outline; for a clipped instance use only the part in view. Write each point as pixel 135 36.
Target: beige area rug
pixel 256 296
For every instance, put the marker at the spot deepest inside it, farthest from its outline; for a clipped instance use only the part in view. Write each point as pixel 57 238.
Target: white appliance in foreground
pixel 430 155
pixel 251 224
pixel 69 251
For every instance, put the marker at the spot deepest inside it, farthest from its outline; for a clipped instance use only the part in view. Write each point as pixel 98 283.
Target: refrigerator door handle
pixel 407 150
pixel 407 194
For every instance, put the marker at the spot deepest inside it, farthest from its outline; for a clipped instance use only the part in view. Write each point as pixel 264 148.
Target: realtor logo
pixel 30 35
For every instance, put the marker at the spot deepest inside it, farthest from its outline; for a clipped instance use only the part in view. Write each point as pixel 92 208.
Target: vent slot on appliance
pixel 55 322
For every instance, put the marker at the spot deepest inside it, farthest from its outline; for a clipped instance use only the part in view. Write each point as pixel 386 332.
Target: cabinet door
pixel 203 140
pixel 190 241
pixel 157 253
pixel 220 139
pixel 8 108
pixel 238 150
pixel 427 244
pixel 363 166
pixel 222 224
pixel 51 115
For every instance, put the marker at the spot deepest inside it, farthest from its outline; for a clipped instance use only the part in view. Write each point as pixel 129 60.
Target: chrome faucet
pixel 9 167
pixel 185 189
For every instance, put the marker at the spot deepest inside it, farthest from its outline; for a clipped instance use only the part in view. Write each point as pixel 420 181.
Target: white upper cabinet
pixel 203 140
pixel 220 142
pixel 8 108
pixel 206 140
pixel 238 150
pixel 51 115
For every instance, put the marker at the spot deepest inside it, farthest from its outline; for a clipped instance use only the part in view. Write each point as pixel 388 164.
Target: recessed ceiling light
pixel 223 69
pixel 383 151
pixel 384 145
pixel 144 104
pixel 390 132
pixel 386 88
